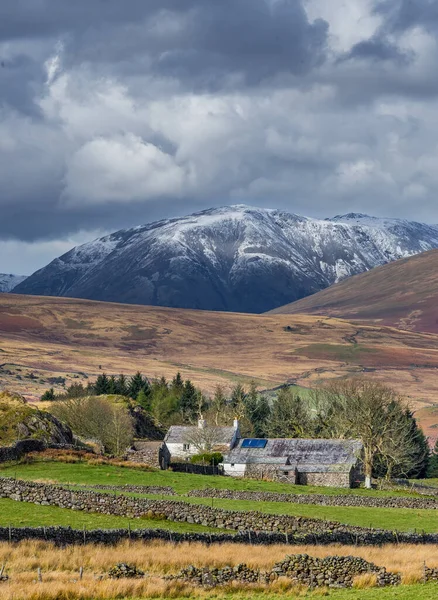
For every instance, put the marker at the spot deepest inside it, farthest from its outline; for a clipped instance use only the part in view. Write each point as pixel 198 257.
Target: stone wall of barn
pixel 339 480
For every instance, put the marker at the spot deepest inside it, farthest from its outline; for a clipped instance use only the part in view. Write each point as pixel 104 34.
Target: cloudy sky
pixel 114 113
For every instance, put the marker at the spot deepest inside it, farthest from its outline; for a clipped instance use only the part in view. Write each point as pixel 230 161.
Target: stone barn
pixel 184 441
pixel 334 463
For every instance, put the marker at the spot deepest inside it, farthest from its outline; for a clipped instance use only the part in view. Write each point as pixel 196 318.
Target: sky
pixel 117 113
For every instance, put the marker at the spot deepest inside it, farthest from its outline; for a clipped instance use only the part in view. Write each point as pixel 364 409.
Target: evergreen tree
pixel 138 383
pixel 237 395
pixel 144 399
pixel 421 455
pixel 90 389
pixel 48 395
pixel 122 386
pixel 189 402
pixel 101 386
pixel 432 470
pixel 112 385
pixel 257 410
pixel 177 382
pixel 76 390
pixel 290 417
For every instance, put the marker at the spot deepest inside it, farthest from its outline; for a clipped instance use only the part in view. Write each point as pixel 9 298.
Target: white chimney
pixel 201 423
pixel 236 423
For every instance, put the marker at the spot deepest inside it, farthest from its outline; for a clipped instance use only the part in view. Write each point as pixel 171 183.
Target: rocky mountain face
pixel 8 282
pixel 234 258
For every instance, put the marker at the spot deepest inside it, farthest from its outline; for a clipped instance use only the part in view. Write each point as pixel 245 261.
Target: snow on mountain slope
pixel 8 282
pixel 235 258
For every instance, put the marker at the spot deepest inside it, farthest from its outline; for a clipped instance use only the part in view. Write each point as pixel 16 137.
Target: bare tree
pixel 218 403
pixel 119 431
pixel 95 417
pixel 205 439
pixel 371 412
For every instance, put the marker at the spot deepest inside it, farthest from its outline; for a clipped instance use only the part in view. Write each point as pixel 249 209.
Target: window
pixel 186 447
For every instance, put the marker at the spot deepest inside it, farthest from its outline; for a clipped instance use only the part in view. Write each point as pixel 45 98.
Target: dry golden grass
pixel 76 339
pixel 78 456
pixel 60 567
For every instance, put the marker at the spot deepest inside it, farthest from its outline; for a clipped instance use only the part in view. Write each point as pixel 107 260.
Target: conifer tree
pixel 177 382
pixel 237 395
pixel 144 399
pixel 112 385
pixel 188 403
pixel 122 386
pixel 138 383
pixel 102 385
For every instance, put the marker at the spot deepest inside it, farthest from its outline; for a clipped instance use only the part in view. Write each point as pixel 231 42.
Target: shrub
pixel 210 458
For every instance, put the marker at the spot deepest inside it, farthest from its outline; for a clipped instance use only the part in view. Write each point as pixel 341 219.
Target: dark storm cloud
pixel 21 78
pixel 182 38
pixel 401 15
pixel 379 49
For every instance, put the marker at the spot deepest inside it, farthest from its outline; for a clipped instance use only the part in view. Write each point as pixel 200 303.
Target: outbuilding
pixel 319 462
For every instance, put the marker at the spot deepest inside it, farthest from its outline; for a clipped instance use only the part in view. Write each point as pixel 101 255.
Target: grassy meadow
pixel 88 474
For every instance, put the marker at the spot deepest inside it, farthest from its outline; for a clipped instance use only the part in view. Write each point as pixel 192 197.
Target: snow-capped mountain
pixel 8 282
pixel 235 258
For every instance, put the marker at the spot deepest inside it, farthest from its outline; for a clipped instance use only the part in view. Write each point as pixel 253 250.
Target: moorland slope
pixel 47 341
pixel 401 294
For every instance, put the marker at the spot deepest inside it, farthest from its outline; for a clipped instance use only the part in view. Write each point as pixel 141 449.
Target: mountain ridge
pixel 233 258
pixel 8 281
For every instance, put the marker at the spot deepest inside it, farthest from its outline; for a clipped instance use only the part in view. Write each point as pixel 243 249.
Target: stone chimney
pixel 201 423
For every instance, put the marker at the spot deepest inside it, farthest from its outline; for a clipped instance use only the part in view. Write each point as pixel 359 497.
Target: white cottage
pixel 184 441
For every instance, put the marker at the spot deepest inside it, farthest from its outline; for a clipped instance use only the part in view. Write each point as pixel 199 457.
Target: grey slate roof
pixel 179 434
pixel 306 455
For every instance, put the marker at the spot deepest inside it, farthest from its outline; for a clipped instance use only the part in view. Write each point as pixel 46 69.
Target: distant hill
pixel 54 342
pixel 8 282
pixel 234 258
pixel 403 294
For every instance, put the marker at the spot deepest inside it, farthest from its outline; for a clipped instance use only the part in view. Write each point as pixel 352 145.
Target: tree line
pixel 394 444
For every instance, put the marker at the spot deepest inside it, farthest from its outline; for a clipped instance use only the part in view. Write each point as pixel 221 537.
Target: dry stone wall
pixel 65 536
pixel 332 571
pixel 320 499
pixel 289 529
pixel 19 449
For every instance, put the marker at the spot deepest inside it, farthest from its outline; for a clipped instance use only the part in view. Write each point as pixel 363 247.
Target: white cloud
pixel 121 168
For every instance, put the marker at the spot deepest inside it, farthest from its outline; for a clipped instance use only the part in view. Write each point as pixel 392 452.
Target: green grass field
pixel 408 592
pixel 65 473
pixel 182 483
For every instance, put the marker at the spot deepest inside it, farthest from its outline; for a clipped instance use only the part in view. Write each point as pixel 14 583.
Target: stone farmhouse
pixel 334 463
pixel 183 442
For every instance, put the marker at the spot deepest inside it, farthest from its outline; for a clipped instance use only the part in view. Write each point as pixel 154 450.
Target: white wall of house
pixel 234 470
pixel 183 451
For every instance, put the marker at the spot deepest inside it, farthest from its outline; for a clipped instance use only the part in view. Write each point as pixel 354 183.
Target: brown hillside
pixel 43 339
pixel 402 294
